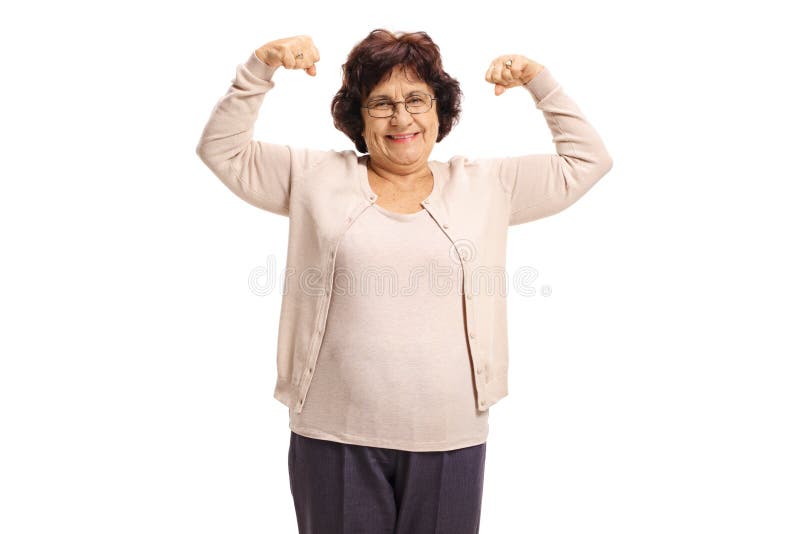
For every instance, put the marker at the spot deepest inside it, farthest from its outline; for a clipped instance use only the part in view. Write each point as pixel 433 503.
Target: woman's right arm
pixel 258 172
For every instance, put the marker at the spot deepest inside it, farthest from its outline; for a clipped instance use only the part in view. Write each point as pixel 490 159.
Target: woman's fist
pixel 511 70
pixel 296 52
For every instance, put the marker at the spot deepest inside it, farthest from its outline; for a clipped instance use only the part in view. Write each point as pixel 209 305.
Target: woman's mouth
pixel 404 138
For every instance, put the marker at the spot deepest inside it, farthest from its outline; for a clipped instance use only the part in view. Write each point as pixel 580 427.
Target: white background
pixel 655 391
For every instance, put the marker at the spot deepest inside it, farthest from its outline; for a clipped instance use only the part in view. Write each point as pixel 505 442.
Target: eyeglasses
pixel 416 103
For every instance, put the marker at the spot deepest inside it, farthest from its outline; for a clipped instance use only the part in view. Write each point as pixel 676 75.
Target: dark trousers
pixel 340 488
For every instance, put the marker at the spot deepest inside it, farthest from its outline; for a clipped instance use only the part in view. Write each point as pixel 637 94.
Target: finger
pixel 497 73
pixel 307 57
pixel 314 56
pixel 288 58
pixel 309 49
pixel 500 75
pixel 308 63
pixel 508 74
pixel 490 76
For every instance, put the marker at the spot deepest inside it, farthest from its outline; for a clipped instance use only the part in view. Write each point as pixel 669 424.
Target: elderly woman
pixel 388 392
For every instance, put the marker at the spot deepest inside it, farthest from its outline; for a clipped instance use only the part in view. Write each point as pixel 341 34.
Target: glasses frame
pixel 405 105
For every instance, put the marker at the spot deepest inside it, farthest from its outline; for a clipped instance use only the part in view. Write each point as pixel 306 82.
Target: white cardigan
pixel 323 192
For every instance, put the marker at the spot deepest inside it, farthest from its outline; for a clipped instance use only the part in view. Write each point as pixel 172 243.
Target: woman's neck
pixel 401 182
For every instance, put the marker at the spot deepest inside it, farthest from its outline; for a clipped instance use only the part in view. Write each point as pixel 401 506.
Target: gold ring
pixel 508 64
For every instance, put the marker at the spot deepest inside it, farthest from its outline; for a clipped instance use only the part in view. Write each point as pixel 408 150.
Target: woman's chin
pixel 406 157
pixel 399 158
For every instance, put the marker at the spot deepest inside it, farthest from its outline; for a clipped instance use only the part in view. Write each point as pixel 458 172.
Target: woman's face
pixel 403 155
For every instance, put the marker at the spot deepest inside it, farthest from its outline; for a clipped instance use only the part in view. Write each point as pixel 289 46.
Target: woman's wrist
pixel 536 70
pixel 261 54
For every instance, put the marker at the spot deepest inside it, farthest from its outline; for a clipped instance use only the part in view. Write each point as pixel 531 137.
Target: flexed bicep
pixel 260 173
pixel 543 184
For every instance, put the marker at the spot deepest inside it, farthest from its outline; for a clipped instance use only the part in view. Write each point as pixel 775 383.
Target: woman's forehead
pixel 400 75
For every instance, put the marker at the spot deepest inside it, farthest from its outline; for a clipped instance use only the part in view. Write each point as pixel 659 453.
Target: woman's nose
pixel 401 114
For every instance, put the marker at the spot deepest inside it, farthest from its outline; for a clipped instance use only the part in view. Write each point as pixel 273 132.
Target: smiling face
pixel 388 147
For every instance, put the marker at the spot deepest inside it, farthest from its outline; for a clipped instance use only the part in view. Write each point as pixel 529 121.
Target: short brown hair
pixel 374 57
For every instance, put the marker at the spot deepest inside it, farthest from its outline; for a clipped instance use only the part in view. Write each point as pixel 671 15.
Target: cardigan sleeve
pixel 539 185
pixel 258 172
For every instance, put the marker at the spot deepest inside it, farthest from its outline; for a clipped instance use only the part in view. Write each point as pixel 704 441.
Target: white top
pixel 408 383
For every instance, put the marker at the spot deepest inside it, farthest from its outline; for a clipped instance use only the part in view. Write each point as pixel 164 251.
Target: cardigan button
pixel 480 370
pixel 445 226
pixel 469 296
pixel 426 201
pixel 472 334
pixel 348 219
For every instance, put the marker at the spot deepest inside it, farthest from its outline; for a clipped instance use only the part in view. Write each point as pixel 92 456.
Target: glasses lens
pixel 381 109
pixel 419 103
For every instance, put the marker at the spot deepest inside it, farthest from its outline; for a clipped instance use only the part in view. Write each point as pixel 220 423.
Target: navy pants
pixel 341 488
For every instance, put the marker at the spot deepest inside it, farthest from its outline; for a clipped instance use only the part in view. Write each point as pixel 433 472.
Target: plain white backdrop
pixel 654 391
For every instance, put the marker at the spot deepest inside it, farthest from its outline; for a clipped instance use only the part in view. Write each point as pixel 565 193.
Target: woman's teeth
pixel 401 137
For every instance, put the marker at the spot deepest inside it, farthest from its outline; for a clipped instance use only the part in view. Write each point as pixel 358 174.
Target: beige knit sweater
pixel 405 380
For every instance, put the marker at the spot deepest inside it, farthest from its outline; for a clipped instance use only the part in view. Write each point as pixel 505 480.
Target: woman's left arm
pixel 543 184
